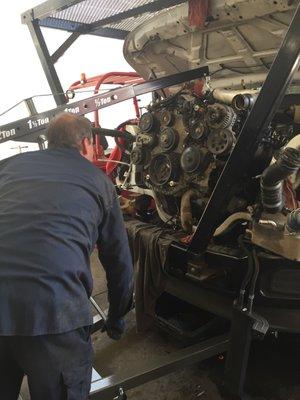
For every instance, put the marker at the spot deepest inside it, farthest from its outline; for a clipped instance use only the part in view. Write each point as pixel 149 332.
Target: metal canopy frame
pixel 45 15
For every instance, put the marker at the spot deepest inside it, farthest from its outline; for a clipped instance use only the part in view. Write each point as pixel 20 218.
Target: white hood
pixel 237 43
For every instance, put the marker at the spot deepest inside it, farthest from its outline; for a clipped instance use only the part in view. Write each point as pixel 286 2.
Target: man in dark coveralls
pixel 55 206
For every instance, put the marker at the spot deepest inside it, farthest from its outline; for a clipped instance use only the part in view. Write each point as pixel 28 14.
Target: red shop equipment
pixel 110 78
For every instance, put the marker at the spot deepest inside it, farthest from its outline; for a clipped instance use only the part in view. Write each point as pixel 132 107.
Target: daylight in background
pixel 22 75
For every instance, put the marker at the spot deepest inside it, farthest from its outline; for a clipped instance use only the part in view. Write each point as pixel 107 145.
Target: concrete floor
pixel 274 368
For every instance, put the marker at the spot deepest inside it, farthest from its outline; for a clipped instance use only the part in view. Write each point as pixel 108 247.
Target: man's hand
pixel 114 329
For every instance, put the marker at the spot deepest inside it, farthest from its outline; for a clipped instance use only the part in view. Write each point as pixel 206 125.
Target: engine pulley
pixel 166 118
pixel 168 139
pixel 163 168
pixel 221 141
pixel 198 130
pixel 146 122
pixel 195 159
pixel 220 116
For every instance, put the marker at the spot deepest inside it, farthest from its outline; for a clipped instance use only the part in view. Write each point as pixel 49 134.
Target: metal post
pixel 30 106
pixel 281 73
pixel 46 62
pixel 42 141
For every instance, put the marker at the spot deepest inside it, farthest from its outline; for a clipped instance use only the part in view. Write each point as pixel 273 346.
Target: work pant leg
pixel 58 367
pixel 11 375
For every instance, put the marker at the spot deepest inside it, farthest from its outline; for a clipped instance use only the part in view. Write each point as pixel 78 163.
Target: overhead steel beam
pixel 270 97
pixel 46 62
pixel 48 8
pixel 110 33
pixel 62 24
pixel 31 127
pixel 64 47
pixel 133 12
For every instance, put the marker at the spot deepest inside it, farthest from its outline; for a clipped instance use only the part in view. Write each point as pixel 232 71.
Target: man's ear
pixel 84 144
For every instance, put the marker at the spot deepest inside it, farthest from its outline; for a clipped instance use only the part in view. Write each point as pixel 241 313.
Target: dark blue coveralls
pixel 55 206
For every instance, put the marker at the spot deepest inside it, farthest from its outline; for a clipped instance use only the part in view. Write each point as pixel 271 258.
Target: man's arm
pixel 115 256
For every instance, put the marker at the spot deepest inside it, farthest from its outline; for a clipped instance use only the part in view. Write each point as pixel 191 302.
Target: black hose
pixel 248 275
pixel 253 281
pixel 245 101
pixel 293 221
pixel 113 133
pixel 273 176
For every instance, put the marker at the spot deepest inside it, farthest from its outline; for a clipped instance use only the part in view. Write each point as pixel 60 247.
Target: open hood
pixel 238 41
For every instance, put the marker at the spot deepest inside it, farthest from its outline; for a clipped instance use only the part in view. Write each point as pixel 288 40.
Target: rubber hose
pixel 293 221
pixel 186 211
pixel 273 177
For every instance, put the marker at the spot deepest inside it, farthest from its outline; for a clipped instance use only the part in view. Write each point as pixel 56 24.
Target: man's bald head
pixel 67 131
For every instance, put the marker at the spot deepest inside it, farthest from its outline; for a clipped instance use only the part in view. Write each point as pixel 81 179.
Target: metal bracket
pixel 121 395
pixel 64 46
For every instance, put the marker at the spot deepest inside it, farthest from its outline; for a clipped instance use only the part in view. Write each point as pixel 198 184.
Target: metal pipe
pixel 242 102
pixel 98 309
pixel 239 216
pixel 226 96
pixel 268 222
